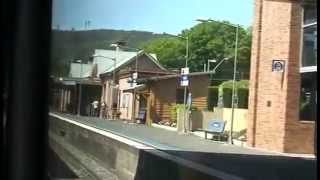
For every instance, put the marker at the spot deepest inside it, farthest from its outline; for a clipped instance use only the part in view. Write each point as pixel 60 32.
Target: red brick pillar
pixel 255 57
pixel 273 121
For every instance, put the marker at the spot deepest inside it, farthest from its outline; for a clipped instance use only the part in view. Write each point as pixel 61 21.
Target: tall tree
pixel 169 50
pixel 209 40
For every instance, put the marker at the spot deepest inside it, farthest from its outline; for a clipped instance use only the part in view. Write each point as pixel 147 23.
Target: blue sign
pixel 216 126
pixel 184 78
pixel 278 65
pixel 184 81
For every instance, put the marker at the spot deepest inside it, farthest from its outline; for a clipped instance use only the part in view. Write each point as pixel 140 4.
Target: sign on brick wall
pixel 278 65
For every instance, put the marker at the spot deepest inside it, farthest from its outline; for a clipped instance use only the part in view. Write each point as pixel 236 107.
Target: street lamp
pixel 117 45
pixel 80 62
pixel 135 77
pixel 114 64
pixel 187 45
pixel 114 67
pixel 210 61
pixel 234 70
pixel 115 61
pixel 224 59
pixel 138 52
pixel 80 88
pixel 186 66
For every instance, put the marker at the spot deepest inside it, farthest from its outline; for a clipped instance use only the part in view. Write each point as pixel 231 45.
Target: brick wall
pixel 276 35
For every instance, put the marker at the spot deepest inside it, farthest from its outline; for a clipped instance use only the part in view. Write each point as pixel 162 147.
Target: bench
pixel 215 127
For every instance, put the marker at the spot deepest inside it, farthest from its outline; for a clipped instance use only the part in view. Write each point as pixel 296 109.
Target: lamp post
pixel 185 87
pixel 138 52
pixel 115 61
pixel 234 70
pixel 110 58
pixel 216 67
pixel 117 46
pixel 210 61
pixel 114 67
pixel 80 88
pixel 135 77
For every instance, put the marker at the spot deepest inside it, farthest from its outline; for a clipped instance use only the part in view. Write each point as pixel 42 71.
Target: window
pixel 308 95
pixel 309 46
pixel 308 91
pixel 309 52
pixel 310 13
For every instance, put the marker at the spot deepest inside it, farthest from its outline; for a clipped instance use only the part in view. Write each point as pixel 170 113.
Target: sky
pixel 158 16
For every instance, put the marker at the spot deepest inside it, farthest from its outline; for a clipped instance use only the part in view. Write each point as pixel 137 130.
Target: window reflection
pixel 308 91
pixel 310 14
pixel 309 57
pixel 308 96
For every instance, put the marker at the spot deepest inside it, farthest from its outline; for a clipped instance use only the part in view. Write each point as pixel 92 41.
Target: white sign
pixel 278 65
pixel 135 75
pixel 184 81
pixel 184 71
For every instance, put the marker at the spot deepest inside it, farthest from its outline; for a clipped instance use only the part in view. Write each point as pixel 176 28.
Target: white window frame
pixel 307 69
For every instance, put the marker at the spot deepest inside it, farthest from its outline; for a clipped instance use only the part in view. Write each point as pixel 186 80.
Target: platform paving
pixel 247 163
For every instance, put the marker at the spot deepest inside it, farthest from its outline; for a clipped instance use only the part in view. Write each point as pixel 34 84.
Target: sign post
pixel 189 103
pixel 184 81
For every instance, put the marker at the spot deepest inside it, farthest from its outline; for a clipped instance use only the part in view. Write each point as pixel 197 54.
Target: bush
pixel 213 93
pixel 242 92
pixel 243 97
pixel 239 134
pixel 173 111
pixel 227 97
pixel 239 84
pixel 216 82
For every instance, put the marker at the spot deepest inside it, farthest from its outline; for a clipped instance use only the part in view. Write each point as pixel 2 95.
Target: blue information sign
pixel 184 81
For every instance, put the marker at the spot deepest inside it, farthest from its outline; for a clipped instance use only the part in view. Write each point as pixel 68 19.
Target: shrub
pixel 243 97
pixel 213 93
pixel 216 82
pixel 173 111
pixel 242 133
pixel 227 97
pixel 239 84
pixel 241 90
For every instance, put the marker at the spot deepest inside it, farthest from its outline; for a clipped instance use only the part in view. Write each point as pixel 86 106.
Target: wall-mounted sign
pixel 184 81
pixel 278 65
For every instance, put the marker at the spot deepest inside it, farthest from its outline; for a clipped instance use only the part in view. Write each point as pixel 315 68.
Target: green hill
pixel 70 45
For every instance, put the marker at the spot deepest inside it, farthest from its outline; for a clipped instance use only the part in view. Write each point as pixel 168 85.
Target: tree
pixel 210 40
pixel 169 50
